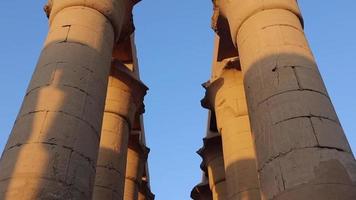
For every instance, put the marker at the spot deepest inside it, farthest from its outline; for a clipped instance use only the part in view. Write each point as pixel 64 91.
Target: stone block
pixel 284 137
pixel 310 79
pixel 294 104
pixel 330 134
pixel 309 166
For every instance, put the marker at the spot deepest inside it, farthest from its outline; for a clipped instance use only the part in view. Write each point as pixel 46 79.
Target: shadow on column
pixel 301 148
pixel 51 152
pixel 249 193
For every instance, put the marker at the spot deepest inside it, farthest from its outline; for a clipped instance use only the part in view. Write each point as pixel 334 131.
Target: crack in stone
pixel 65 113
pixel 282 176
pixel 79 89
pixel 110 168
pixel 282 154
pixel 71 186
pixel 71 149
pixel 286 25
pixel 292 90
pixel 296 77
pixel 306 116
pixel 108 188
pixel 65 85
pixel 314 131
pixel 68 30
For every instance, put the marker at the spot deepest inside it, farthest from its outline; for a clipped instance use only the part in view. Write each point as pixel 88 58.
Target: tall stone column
pixel 124 99
pixel 213 160
pixel 225 97
pixel 301 148
pixel 52 150
pixel 136 159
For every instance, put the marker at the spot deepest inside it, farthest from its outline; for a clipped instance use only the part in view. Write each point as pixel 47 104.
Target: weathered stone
pixel 301 149
pixel 55 140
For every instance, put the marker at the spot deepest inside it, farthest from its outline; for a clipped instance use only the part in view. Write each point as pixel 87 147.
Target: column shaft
pixel 213 164
pixel 216 171
pixel 238 147
pixel 52 150
pixel 120 109
pixel 301 147
pixel 134 169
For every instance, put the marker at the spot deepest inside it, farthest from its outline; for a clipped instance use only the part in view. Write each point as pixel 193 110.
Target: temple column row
pixel 123 102
pixel 229 148
pixel 123 154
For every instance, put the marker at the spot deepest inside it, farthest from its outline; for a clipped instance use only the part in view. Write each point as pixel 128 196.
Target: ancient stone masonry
pixel 272 134
pixel 71 137
pixel 228 149
pixel 122 117
pixel 296 140
pixel 213 165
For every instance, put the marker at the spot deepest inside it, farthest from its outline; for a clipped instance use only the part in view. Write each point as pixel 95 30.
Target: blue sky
pixel 175 43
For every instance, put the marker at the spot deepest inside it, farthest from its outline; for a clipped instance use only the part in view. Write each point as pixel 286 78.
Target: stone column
pixel 226 97
pixel 52 150
pixel 136 159
pixel 213 161
pixel 301 148
pixel 124 98
pixel 202 191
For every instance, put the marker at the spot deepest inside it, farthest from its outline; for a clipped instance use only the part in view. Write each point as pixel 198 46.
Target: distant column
pixel 124 98
pixel 225 97
pixel 53 147
pixel 213 160
pixel 301 148
pixel 136 159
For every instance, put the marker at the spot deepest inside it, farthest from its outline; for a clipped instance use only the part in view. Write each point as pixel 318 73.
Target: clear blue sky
pixel 175 44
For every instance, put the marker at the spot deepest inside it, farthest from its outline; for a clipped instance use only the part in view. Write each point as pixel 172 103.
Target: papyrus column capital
pixel 118 12
pixel 223 91
pixel 236 12
pixel 129 86
pixel 211 149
